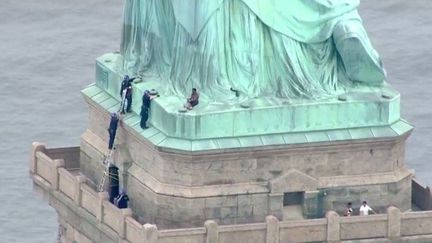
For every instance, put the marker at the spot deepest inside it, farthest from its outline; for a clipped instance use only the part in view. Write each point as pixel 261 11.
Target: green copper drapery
pixel 292 49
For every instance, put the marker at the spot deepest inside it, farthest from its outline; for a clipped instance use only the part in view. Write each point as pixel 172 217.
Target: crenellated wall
pixel 87 216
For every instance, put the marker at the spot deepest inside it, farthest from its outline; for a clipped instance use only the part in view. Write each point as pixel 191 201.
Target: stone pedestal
pixel 177 182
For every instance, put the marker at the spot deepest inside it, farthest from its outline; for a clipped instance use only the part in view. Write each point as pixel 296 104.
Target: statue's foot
pixel 360 59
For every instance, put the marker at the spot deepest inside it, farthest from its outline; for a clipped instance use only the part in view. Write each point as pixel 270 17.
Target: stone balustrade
pixel 88 199
pixel 416 223
pixel 52 175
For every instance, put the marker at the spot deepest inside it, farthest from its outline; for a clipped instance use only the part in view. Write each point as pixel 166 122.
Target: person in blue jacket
pixel 126 94
pixel 112 129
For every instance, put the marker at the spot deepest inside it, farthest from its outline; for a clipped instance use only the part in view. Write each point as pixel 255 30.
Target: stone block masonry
pixel 93 219
pixel 243 185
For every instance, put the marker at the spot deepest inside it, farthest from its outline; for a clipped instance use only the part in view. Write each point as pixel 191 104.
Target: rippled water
pixel 47 53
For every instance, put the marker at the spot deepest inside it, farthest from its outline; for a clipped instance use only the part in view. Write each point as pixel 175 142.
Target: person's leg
pixel 123 106
pixel 194 103
pixel 129 103
pixel 111 139
pixel 188 106
pixel 144 119
pixel 143 122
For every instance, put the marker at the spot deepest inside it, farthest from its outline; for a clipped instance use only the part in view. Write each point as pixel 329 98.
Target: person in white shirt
pixel 365 209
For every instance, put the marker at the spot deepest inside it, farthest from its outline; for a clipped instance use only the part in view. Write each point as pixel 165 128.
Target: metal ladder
pixel 106 162
pixel 123 101
pixel 107 159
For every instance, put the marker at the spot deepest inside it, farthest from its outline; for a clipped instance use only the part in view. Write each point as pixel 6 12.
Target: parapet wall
pixel 68 191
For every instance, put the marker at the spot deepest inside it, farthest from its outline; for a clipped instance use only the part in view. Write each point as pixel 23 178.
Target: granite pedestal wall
pixel 87 216
pixel 175 188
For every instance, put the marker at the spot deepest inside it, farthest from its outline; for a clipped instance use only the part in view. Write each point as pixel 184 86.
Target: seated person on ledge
pixel 192 100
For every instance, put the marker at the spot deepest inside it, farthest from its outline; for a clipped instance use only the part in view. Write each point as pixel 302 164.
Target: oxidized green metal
pixel 263 48
pixel 306 72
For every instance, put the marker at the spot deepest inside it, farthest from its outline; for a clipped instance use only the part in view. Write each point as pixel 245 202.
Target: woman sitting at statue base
pixel 193 100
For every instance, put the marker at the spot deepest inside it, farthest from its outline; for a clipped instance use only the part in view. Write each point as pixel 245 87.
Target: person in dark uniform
pixel 145 108
pixel 112 129
pixel 125 83
pixel 113 189
pixel 121 201
pixel 144 117
pixel 146 99
pixel 126 93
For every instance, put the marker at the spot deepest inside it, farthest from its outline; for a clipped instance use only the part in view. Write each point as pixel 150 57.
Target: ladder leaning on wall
pixel 106 163
pixel 108 158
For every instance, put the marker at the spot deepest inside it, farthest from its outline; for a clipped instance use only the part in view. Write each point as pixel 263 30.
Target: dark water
pixel 47 53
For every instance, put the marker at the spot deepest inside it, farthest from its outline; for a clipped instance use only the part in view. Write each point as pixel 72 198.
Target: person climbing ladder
pixel 112 130
pixel 107 161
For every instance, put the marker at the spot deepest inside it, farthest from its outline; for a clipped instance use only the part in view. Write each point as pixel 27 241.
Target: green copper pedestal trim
pixel 159 139
pixel 359 107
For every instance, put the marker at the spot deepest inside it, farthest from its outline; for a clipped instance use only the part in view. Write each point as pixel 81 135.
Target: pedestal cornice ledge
pixel 162 142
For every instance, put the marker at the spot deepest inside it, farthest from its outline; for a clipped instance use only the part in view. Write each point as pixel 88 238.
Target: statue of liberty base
pixel 294 116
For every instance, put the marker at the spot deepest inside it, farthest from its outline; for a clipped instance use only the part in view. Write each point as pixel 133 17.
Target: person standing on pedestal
pixel 145 108
pixel 126 94
pixel 144 117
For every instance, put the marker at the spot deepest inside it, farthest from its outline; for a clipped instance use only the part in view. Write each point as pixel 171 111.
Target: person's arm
pixel 121 89
pixel 131 80
pixel 119 118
